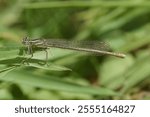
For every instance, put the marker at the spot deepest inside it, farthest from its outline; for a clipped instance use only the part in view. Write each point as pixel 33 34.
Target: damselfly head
pixel 25 40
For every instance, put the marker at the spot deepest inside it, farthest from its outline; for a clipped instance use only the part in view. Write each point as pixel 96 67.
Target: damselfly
pixel 93 47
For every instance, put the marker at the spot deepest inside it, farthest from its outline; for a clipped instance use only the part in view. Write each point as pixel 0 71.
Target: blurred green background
pixel 125 25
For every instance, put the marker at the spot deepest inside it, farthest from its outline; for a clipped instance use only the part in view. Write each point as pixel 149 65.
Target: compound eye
pixel 24 40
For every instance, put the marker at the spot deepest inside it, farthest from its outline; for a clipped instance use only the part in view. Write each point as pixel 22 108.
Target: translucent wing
pixel 84 44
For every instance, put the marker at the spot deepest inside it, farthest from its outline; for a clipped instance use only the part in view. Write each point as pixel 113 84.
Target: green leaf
pixel 137 73
pixel 8 54
pixel 53 83
pixel 111 3
pixel 112 69
pixel 47 66
pixel 6 70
